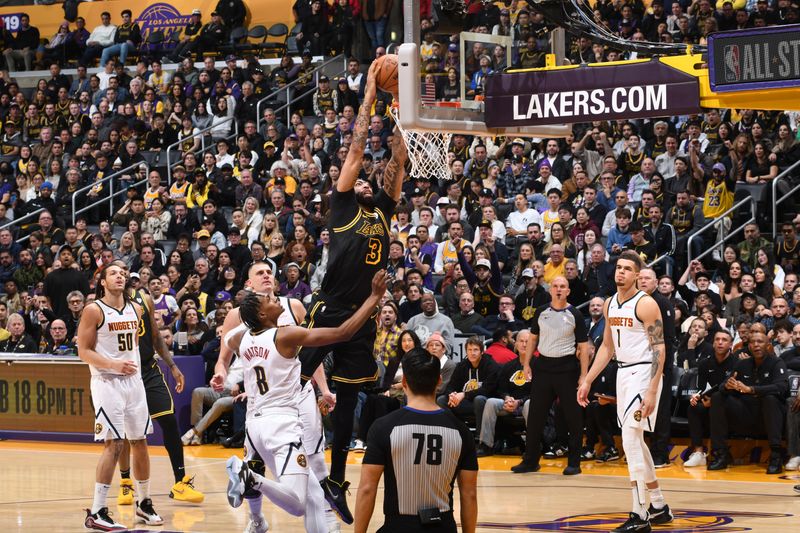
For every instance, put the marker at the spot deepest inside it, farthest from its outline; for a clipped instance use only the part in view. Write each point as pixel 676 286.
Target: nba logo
pixel 731 55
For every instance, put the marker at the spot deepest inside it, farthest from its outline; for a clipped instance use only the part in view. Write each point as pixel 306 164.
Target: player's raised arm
pixel 395 170
pixel 225 353
pixel 289 338
pixel 601 359
pixel 647 309
pixel 91 319
pixel 352 164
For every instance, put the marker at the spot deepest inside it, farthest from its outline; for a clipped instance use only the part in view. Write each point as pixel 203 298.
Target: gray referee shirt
pixel 559 331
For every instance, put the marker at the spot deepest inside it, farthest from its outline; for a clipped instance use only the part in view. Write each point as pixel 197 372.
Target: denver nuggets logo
pixel 686 521
pixel 301 460
pixel 637 415
pixel 98 428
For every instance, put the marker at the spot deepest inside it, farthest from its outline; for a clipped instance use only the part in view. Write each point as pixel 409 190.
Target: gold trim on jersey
pixel 171 409
pixel 351 223
pixel 358 380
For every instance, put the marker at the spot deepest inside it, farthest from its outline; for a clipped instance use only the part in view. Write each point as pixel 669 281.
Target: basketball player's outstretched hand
pixel 379 281
pixel 371 88
pixel 126 368
pixel 583 394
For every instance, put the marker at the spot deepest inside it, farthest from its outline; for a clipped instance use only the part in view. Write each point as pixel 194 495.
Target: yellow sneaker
pixel 184 491
pixel 125 496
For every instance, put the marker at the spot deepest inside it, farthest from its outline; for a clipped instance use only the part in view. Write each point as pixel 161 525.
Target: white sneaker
pixel 188 437
pixel 359 446
pixel 794 463
pixel 696 459
pixel 333 521
pixel 259 525
pixel 146 513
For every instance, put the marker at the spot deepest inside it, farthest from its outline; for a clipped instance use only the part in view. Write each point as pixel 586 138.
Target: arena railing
pixel 775 200
pixel 714 223
pixel 202 134
pixel 16 222
pixel 112 194
pixel 288 90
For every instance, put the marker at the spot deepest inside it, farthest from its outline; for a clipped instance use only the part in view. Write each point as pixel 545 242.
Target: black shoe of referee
pixel 336 495
pixel 524 468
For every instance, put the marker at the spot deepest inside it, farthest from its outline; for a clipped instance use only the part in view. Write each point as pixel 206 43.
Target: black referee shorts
pixel 353 360
pixel 411 524
pixel 159 399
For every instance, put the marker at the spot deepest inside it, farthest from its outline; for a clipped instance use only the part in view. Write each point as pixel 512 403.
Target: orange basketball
pixel 386 77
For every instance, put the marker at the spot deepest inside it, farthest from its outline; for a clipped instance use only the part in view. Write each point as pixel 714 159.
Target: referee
pixel 559 332
pixel 434 448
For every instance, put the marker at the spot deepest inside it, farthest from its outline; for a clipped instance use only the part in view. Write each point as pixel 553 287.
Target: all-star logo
pixel 686 521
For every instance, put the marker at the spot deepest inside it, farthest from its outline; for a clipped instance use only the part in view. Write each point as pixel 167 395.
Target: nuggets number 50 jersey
pixel 627 331
pixel 270 379
pixel 117 335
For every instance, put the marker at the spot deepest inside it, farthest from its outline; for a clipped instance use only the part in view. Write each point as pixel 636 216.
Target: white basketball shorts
pixel 632 384
pixel 120 407
pixel 276 434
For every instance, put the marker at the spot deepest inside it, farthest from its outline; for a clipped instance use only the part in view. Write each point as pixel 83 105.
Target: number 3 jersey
pixel 117 336
pixel 270 379
pixel 359 246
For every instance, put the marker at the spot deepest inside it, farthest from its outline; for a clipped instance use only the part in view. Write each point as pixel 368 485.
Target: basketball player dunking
pixel 261 280
pixel 360 234
pixel 108 342
pixel 272 379
pixel 635 332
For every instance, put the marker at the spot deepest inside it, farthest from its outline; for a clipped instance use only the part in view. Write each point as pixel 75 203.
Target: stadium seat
pixel 277 48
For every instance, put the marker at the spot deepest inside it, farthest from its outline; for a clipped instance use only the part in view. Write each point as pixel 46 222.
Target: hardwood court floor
pixel 44 487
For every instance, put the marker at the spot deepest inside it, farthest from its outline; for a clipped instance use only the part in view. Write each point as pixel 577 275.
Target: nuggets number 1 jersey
pixel 270 379
pixel 627 331
pixel 117 336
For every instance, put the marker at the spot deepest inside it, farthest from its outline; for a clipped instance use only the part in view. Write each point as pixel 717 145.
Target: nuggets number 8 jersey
pixel 270 379
pixel 627 331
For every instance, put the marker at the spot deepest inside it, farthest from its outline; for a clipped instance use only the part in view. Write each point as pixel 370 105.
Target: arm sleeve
pixel 469 458
pixel 581 335
pixel 535 320
pixel 378 449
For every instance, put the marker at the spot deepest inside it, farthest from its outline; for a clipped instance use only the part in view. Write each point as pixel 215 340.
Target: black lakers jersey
pixel 359 246
pixel 146 349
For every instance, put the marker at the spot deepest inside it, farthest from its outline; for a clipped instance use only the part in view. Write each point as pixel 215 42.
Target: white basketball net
pixel 427 151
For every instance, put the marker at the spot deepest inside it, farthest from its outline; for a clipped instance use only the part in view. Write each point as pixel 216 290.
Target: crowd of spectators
pixel 474 255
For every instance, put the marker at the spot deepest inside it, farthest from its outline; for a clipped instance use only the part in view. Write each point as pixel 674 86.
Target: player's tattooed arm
pixel 655 337
pixel 394 174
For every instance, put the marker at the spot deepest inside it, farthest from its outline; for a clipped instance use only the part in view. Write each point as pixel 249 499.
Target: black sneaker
pixel 524 468
pixel 660 462
pixel 796 488
pixel 587 454
pixel 101 521
pixel 634 524
pixel 146 513
pixel 775 465
pixel 659 516
pixel 555 451
pixel 572 471
pixel 609 454
pixel 335 494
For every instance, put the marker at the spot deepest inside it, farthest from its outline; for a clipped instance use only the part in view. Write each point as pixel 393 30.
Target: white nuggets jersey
pixel 117 336
pixel 271 380
pixel 627 331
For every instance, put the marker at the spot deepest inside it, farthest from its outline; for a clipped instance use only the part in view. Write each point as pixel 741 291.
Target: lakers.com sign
pixel 764 58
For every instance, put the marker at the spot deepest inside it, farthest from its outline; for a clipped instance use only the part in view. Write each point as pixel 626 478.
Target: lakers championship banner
pixel 151 16
pixel 763 58
pixel 539 97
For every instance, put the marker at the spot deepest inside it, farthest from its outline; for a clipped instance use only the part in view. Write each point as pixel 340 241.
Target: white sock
pixel 255 506
pixel 100 496
pixel 142 489
pixel 657 498
pixel 639 506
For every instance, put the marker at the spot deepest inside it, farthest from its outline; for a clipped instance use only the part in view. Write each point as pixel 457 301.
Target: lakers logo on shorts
pixel 98 428
pixel 637 415
pixel 301 460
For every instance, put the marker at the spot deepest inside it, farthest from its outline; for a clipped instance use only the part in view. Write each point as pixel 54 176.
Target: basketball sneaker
pixel 190 438
pixel 258 525
pixel 335 494
pixel 634 524
pixel 125 496
pixel 239 480
pixel 358 446
pixel 659 516
pixel 793 463
pixel 101 521
pixel 609 454
pixel 146 513
pixel 184 491
pixel 696 459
